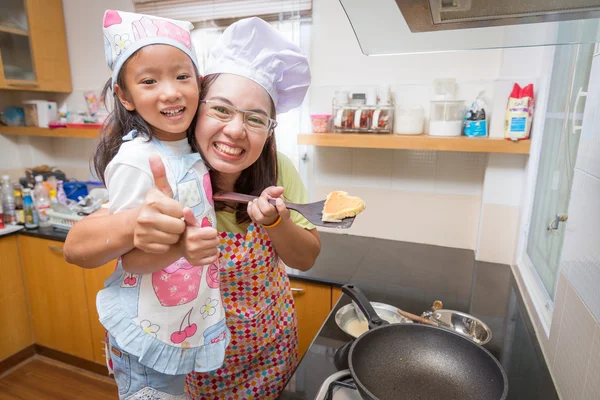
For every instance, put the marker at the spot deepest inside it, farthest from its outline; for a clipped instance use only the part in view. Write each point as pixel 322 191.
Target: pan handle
pixel 365 306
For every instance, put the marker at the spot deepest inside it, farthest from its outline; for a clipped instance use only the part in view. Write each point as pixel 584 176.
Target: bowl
pixel 347 320
pixel 461 323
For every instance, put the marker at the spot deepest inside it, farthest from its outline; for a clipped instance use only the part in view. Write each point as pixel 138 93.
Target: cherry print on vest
pixel 177 284
pixel 130 280
pixel 184 333
pixel 130 293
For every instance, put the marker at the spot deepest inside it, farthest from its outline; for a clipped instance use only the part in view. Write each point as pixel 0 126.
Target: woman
pixel 253 73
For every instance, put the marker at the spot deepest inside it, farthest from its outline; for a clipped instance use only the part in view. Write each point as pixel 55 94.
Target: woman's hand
pixel 159 223
pixel 262 212
pixel 198 244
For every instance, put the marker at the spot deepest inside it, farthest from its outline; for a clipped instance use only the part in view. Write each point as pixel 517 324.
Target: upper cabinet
pixel 33 46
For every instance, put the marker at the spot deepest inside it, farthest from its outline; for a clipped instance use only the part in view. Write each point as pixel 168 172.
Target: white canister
pixel 446 118
pixel 371 98
pixel 409 121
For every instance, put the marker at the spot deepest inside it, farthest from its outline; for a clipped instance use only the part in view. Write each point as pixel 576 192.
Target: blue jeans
pixel 136 381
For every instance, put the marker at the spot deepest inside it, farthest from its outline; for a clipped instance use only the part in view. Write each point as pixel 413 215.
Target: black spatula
pixel 313 212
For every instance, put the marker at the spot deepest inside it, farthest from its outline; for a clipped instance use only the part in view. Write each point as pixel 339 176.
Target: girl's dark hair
pixel 118 124
pixel 254 179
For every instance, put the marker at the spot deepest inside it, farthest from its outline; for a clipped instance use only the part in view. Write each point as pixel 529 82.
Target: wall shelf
pixel 416 142
pixel 89 133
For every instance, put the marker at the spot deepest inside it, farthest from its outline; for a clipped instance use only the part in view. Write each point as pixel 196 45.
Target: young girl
pixel 255 72
pixel 163 315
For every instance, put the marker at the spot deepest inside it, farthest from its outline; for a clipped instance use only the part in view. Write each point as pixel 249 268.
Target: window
pixel 543 233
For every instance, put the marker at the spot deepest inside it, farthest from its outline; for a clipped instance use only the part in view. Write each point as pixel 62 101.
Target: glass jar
pixel 446 117
pixel 320 123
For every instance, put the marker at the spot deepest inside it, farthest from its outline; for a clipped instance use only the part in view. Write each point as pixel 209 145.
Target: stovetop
pixel 338 386
pixel 412 276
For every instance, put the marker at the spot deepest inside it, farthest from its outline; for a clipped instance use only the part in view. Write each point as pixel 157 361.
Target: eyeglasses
pixel 253 121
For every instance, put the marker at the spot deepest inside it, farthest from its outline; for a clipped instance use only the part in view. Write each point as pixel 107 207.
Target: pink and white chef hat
pixel 125 33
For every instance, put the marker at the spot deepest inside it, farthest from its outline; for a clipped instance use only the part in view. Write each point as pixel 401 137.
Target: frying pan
pixel 415 361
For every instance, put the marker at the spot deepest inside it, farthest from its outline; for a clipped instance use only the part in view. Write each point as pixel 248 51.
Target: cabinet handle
pixel 24 84
pixel 297 290
pixel 57 249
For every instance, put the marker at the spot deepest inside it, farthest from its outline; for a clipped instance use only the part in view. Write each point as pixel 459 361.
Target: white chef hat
pixel 252 48
pixel 125 33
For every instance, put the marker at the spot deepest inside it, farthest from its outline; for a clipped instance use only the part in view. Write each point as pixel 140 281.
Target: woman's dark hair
pixel 118 124
pixel 254 179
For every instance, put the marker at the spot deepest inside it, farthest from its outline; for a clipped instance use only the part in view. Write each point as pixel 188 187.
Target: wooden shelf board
pixel 15 31
pixel 90 133
pixel 415 142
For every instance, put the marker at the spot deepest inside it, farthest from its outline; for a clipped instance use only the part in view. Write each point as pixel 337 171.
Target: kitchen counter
pixel 45 233
pixel 411 276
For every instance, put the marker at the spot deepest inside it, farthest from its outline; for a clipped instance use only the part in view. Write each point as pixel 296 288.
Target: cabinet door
pixel 313 303
pixel 336 293
pixel 57 299
pixel 94 281
pixel 16 331
pixel 49 45
pixel 15 50
pixel 33 47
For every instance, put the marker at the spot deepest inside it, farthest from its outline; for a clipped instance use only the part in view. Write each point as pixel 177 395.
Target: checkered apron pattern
pixel 260 316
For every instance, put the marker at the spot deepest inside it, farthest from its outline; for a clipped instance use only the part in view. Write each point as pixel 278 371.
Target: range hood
pixel 434 15
pixel 418 26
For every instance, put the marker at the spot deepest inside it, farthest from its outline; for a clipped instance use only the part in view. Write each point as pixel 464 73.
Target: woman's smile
pixel 227 150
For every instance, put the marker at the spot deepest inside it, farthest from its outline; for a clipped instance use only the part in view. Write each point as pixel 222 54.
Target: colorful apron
pixel 172 319
pixel 261 318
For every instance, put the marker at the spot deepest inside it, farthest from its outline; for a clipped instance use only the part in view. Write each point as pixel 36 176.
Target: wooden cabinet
pixel 336 293
pixel 56 293
pixel 33 46
pixel 16 330
pixel 62 301
pixel 313 302
pixel 94 281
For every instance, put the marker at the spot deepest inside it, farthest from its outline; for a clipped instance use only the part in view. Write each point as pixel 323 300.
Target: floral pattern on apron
pixel 260 315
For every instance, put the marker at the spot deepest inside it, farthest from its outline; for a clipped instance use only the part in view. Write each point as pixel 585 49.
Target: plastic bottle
pixel 19 204
pixel 61 196
pixel 53 199
pixel 8 201
pixel 1 216
pixel 29 210
pixel 42 201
